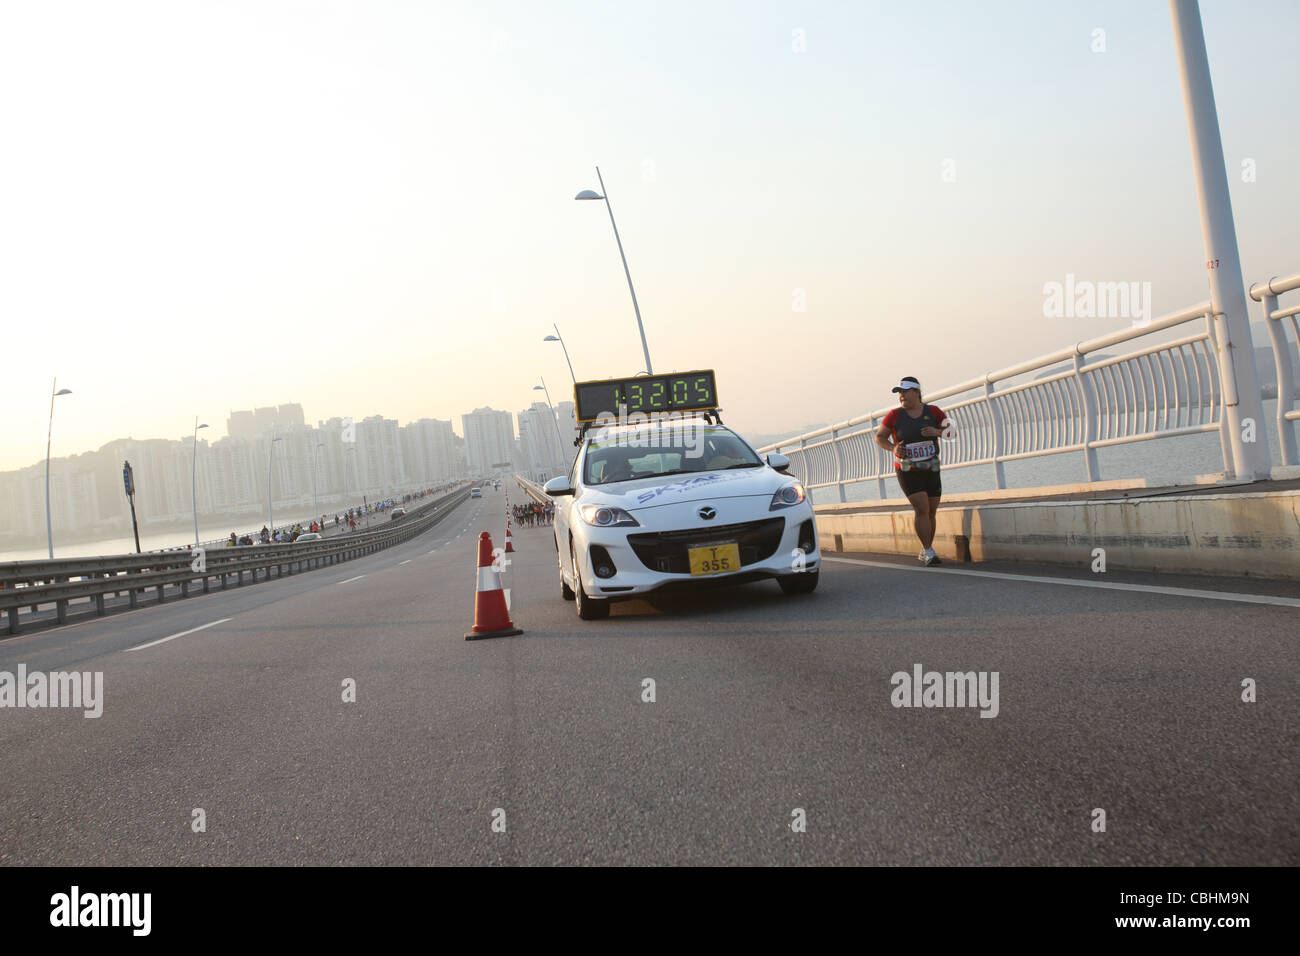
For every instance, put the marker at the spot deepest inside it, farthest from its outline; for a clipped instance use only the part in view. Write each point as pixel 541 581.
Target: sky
pixel 367 208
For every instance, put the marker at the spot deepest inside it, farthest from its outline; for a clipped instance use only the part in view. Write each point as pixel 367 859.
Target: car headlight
pixel 605 516
pixel 787 496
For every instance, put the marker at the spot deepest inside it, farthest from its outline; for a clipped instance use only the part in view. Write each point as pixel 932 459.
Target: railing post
pixel 1285 380
pixel 839 465
pixel 1225 380
pixel 1088 401
pixel 999 470
pixel 877 453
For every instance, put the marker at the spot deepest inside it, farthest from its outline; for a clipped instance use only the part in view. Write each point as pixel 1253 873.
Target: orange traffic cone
pixel 510 544
pixel 491 617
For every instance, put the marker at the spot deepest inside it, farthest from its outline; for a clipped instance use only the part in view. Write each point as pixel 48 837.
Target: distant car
pixel 398 513
pixel 475 493
pixel 309 536
pixel 638 515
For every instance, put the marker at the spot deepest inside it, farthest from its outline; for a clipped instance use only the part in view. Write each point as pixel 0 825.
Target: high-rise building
pixel 540 440
pixel 254 424
pixel 489 440
pixel 564 411
pixel 428 450
pixel 379 457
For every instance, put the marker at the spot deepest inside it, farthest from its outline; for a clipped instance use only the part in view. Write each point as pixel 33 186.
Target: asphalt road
pixel 1126 700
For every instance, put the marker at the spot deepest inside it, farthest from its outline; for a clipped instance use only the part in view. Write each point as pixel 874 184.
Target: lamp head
pixel 589 194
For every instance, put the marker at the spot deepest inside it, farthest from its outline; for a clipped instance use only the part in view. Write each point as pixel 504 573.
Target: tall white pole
pixel 1242 403
pixel 194 480
pixel 314 457
pixel 49 524
pixel 270 504
pixel 626 271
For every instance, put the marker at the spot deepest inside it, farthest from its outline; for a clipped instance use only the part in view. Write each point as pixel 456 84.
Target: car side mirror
pixel 557 487
pixel 778 462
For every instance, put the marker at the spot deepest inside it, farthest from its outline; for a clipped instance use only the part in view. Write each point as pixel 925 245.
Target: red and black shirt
pixel 907 432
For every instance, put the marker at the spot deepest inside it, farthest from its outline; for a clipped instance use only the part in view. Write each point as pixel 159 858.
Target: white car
pixel 679 506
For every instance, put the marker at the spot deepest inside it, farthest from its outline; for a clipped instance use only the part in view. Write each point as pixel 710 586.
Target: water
pixel 154 540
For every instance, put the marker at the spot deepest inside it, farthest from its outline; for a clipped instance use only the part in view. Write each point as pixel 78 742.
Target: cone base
pixel 479 635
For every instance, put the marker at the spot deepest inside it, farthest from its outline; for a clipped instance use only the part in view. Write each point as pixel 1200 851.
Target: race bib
pixel 921 450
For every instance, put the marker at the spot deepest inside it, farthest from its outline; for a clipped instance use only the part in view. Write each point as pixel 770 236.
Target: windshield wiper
pixel 745 464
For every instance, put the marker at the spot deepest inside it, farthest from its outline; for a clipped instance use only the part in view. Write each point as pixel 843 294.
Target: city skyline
pixel 338 459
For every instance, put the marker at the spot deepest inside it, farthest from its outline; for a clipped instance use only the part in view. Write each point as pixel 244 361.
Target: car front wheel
pixel 588 609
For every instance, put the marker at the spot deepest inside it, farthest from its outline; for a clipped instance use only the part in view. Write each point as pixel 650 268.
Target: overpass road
pixel 1118 697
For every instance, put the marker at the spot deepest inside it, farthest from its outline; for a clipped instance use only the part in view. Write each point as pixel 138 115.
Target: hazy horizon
pixel 220 206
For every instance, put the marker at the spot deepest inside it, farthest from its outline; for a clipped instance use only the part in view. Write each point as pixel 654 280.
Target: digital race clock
pixel 646 394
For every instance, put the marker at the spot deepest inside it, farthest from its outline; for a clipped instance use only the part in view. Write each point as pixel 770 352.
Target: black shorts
pixel 920 479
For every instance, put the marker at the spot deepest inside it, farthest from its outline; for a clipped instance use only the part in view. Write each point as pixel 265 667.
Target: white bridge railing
pixel 1266 295
pixel 1079 402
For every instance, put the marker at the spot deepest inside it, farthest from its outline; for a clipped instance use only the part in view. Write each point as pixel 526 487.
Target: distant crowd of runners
pixel 533 515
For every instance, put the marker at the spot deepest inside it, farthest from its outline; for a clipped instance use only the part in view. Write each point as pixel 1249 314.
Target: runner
pixel 911 432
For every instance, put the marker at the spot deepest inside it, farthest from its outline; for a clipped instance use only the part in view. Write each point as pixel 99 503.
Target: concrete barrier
pixel 1242 533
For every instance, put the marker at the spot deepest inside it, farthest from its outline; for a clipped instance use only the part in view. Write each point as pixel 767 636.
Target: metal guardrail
pixel 33 583
pixel 1167 389
pixel 533 490
pixel 1266 294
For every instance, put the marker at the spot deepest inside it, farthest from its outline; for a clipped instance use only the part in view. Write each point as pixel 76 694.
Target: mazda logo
pixel 707 513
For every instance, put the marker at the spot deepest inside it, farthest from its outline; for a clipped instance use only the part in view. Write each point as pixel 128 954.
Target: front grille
pixel 666 551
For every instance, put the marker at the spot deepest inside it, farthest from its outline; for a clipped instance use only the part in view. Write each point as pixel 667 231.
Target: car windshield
pixel 653 453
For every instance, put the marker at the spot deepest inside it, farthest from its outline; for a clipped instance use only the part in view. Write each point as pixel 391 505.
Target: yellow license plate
pixel 714 558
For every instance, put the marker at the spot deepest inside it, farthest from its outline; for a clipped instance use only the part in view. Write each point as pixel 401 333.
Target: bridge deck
pixel 1124 700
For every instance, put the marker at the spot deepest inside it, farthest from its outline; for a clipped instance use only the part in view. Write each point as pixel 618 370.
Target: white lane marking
pixel 1070 582
pixel 164 640
pixel 350 580
pixel 400 563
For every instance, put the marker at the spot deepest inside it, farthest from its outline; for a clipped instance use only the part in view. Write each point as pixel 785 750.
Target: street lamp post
pixel 270 503
pixel 557 337
pixel 555 421
pixel 194 479
pixel 315 455
pixel 592 194
pixel 49 435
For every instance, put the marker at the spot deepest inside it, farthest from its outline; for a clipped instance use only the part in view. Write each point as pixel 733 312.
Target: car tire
pixel 804 583
pixel 566 592
pixel 588 609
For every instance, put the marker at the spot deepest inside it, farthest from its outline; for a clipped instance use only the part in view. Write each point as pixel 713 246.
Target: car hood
pixel 676 489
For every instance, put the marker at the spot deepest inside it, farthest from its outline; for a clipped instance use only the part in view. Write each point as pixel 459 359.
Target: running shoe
pixel 931 558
